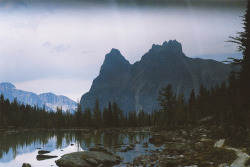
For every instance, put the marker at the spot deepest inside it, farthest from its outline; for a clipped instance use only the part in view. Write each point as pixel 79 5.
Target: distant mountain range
pixel 50 100
pixel 136 86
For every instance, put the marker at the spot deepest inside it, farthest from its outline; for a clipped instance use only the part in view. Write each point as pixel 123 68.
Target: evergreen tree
pixel 59 117
pixel 115 114
pixel 132 120
pixel 106 117
pixel 1 110
pixel 97 119
pixel 180 110
pixel 203 99
pixel 87 117
pixel 141 118
pixel 167 102
pixel 243 41
pixel 120 117
pixel 110 115
pixel 192 115
pixel 79 116
pixel 234 100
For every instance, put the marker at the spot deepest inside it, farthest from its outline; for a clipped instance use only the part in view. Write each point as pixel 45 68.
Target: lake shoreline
pixel 14 130
pixel 177 145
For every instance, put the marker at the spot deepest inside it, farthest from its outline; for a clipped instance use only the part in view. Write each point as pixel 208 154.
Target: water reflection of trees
pixel 88 140
pixel 110 140
pixel 97 138
pixel 28 141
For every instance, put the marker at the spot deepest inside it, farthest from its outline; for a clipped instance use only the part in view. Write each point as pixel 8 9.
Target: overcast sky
pixel 59 46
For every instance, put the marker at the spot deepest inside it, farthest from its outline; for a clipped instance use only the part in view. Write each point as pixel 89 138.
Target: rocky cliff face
pixel 136 87
pixel 50 100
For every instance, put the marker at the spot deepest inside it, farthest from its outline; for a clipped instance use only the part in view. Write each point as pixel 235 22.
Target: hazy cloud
pixel 228 45
pixel 60 48
pixel 88 52
pixel 47 44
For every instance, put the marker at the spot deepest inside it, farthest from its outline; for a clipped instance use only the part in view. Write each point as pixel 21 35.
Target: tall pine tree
pixel 243 41
pixel 97 118
pixel 167 102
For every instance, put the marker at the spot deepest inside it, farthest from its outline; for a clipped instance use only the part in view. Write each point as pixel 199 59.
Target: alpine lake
pixel 25 146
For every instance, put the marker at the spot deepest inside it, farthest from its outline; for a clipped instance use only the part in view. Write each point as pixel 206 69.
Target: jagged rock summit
pixel 114 64
pixel 50 100
pixel 136 86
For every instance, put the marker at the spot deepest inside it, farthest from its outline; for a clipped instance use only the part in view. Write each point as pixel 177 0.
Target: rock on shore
pixel 88 159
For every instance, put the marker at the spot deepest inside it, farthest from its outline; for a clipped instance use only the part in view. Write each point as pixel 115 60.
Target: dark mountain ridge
pixel 136 87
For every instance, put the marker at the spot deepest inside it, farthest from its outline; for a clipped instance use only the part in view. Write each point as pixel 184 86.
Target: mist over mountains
pixel 50 100
pixel 135 86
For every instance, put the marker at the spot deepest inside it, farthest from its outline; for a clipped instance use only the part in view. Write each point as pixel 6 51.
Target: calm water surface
pixel 15 149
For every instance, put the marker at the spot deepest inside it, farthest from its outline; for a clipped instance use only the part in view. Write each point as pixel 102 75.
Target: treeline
pixel 113 116
pixel 14 114
pixel 19 115
pixel 220 104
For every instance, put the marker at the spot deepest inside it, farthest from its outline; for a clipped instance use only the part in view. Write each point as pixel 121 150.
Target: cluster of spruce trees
pixel 19 115
pixel 221 104
pixel 14 114
pixel 112 116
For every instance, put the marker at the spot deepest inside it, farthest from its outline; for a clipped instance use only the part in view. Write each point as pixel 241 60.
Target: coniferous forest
pixel 221 104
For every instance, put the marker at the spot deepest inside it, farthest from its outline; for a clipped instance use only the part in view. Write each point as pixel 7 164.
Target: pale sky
pixel 59 46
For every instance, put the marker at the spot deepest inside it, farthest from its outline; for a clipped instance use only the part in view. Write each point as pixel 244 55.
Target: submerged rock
pixel 100 149
pixel 88 159
pixel 154 160
pixel 126 149
pixel 157 139
pixel 26 165
pixel 145 145
pixel 198 144
pixel 184 133
pixel 43 152
pixel 43 157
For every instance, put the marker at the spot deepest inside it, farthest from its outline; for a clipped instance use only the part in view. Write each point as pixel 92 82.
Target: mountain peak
pixel 115 52
pixel 171 45
pixel 136 87
pixel 6 85
pixel 48 93
pixel 114 61
pixel 115 56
